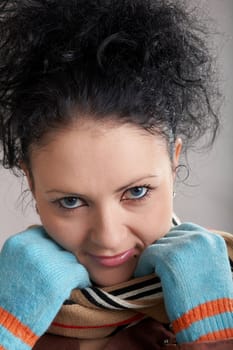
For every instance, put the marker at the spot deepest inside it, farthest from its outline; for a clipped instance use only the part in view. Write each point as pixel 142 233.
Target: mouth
pixel 115 260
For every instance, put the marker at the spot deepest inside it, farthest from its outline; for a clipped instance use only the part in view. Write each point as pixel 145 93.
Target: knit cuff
pixel 14 335
pixel 210 321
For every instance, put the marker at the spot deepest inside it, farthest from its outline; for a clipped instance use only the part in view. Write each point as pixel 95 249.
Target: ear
pixel 28 175
pixel 176 155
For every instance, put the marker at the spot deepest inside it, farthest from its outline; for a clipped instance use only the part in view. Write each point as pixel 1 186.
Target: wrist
pixel 210 321
pixel 14 335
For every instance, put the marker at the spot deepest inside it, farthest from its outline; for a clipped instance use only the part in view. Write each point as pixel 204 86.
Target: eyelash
pixel 57 202
pixel 149 190
pixel 148 187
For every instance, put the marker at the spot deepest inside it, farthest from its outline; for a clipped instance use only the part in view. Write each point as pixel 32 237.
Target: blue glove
pixel 36 276
pixel 196 278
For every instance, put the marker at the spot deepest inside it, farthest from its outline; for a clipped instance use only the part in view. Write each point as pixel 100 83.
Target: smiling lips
pixel 116 260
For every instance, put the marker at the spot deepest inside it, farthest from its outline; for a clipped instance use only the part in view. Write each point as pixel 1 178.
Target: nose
pixel 108 230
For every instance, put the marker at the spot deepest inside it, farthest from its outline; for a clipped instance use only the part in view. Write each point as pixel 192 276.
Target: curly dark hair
pixel 145 62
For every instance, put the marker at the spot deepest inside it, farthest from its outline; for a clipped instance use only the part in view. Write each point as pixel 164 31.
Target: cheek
pixel 66 232
pixel 157 225
pixel 157 220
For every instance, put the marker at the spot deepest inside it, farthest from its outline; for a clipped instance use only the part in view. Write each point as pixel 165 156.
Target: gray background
pixel 207 199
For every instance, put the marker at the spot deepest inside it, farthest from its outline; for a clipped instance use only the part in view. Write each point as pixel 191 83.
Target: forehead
pixel 89 133
pixel 92 156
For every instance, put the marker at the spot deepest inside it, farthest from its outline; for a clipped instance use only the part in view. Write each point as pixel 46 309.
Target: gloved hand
pixel 36 276
pixel 196 279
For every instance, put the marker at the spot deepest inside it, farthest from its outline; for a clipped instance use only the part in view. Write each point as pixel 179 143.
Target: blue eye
pixel 136 192
pixel 70 202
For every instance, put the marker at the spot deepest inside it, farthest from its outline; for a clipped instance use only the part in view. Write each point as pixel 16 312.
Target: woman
pixel 98 99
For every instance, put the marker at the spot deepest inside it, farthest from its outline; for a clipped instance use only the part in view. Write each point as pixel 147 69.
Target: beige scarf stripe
pixel 91 325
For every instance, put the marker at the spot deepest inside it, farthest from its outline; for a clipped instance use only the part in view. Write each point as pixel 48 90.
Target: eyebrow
pixel 135 181
pixel 117 191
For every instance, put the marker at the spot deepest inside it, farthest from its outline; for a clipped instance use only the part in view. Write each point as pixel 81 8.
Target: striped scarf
pixel 93 313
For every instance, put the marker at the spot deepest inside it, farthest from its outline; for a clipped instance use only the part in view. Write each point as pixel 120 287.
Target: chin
pixel 111 277
pixel 101 282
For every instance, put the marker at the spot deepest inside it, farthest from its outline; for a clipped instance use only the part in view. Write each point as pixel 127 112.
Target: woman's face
pixel 104 192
